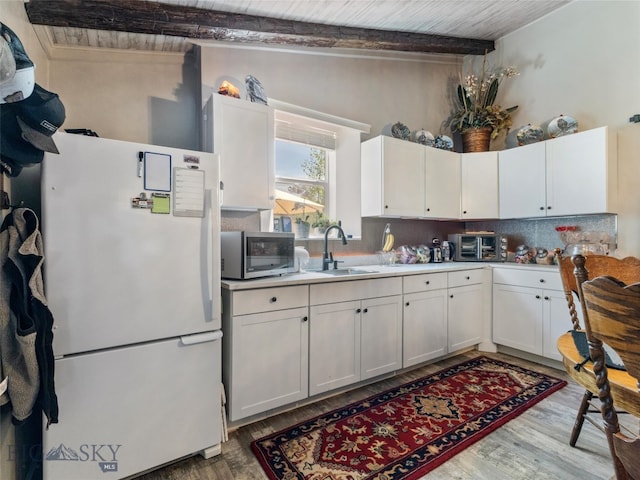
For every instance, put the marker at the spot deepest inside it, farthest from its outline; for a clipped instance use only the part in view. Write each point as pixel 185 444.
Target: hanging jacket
pixel 26 323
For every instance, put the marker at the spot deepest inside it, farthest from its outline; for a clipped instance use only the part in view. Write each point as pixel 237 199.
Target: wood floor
pixel 533 445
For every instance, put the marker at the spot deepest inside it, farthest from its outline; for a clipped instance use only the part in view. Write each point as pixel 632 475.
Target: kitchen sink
pixel 347 271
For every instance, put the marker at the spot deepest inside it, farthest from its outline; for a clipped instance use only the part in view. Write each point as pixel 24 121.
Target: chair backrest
pixel 626 270
pixel 612 316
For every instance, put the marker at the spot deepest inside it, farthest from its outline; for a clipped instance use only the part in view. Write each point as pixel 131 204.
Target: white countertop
pixel 374 271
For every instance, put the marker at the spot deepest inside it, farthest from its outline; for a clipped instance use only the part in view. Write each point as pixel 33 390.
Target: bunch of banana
pixel 387 239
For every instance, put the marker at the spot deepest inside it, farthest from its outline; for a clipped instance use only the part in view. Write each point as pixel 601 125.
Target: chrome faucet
pixel 326 257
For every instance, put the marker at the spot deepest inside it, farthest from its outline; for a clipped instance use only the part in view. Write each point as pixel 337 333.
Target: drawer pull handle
pixel 273 299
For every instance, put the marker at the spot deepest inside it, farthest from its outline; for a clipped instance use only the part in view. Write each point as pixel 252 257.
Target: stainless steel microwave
pixel 474 247
pixel 246 255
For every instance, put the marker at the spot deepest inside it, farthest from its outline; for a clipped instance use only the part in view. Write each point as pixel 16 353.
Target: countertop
pixel 373 271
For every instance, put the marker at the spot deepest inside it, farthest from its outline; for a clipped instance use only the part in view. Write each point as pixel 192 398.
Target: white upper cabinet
pixel 442 186
pixel 581 173
pixel 572 175
pixel 479 185
pixel 243 136
pixel 392 177
pixel 523 181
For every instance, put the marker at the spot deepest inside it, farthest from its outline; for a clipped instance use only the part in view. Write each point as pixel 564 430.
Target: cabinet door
pixel 403 178
pixel 243 136
pixel 424 326
pixel 392 177
pixel 517 317
pixel 465 307
pixel 380 336
pixel 555 322
pixel 442 184
pixel 269 359
pixel 577 173
pixel 479 185
pixel 522 184
pixel 334 346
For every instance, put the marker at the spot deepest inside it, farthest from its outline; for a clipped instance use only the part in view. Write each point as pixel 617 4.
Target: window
pixel 305 158
pixel 317 168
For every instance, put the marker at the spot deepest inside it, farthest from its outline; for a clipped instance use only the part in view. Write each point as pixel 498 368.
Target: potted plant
pixel 321 223
pixel 302 226
pixel 476 115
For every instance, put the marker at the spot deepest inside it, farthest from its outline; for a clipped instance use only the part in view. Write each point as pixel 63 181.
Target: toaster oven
pixel 474 247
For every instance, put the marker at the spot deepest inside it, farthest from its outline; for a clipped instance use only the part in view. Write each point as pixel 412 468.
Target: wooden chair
pixel 627 270
pixel 612 316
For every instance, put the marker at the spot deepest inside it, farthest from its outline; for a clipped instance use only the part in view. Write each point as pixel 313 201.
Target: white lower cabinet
pixel 424 334
pixel 355 332
pixel 265 350
pixel 465 307
pixel 529 310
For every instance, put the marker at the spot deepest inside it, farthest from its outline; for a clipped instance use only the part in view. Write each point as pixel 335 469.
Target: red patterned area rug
pixel 407 431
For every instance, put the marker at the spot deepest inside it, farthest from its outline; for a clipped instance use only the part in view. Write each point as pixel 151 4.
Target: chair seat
pixel 622 384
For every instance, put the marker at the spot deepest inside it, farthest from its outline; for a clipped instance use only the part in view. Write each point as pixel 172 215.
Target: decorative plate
pixel 529 134
pixel 443 142
pixel 423 137
pixel 562 125
pixel 400 130
pixel 255 90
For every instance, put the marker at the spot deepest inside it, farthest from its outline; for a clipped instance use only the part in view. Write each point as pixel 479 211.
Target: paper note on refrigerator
pixel 188 192
pixel 157 171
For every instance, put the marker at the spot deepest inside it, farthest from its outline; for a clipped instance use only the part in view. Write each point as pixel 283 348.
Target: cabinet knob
pixel 542 280
pixel 428 282
pixel 386 206
pixel 451 296
pixel 465 212
pixel 538 297
pixel 541 208
pixel 407 304
pixel 428 209
pixel 468 277
pixel 304 319
pixel 365 310
pixel 549 207
pixel 546 298
pixel 273 299
pixel 358 310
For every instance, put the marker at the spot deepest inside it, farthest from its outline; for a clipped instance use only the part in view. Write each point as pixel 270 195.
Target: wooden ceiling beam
pixel 156 18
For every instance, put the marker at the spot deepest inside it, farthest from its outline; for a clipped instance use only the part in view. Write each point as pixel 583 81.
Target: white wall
pixel 582 60
pixel 372 89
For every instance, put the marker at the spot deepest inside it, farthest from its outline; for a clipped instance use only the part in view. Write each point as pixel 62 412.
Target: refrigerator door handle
pixel 201 337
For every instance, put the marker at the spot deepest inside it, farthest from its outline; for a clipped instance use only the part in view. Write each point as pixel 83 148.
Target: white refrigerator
pixel 131 241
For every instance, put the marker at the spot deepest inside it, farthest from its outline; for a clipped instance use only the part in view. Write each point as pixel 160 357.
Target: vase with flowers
pixel 477 117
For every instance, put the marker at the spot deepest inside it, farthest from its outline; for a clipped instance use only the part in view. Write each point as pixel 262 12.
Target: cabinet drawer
pixel 528 278
pixel 424 283
pixel 270 299
pixel 465 277
pixel 354 290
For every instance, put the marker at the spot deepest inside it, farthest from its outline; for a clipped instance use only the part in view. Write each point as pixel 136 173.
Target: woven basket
pixel 476 139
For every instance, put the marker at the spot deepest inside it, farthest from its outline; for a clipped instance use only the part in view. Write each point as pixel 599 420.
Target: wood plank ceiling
pixel 425 26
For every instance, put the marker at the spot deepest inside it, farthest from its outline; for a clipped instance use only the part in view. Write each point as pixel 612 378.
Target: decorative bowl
pixel 423 137
pixel 562 125
pixel 529 134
